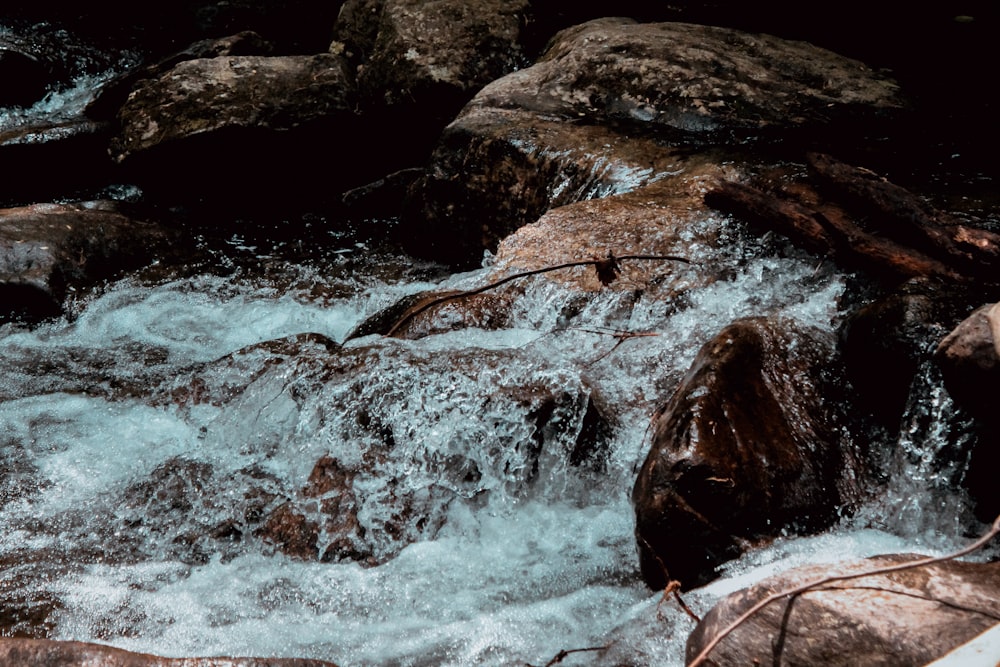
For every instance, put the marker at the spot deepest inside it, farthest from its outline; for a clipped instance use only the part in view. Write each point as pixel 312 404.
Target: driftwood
pixel 908 219
pixel 873 225
pixel 828 231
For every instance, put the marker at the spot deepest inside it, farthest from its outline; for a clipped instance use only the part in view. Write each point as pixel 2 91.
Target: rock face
pixel 48 249
pixel 745 449
pixel 48 653
pixel 625 89
pixel 431 54
pixel 969 358
pixel 209 95
pixel 911 617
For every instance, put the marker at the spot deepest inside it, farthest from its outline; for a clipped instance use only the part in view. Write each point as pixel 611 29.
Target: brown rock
pixel 49 653
pixel 591 118
pixel 435 52
pixel 47 250
pixel 209 95
pixel 911 617
pixel 969 358
pixel 745 449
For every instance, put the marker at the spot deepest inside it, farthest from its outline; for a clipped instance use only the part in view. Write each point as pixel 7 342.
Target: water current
pixel 136 426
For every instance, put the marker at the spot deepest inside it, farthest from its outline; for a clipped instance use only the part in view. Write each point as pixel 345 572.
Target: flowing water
pixel 145 437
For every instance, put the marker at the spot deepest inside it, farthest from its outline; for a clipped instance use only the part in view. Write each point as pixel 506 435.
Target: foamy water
pixel 520 554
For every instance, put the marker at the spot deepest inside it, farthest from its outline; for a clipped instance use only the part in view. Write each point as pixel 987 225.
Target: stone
pixel 52 653
pixel 745 450
pixel 896 334
pixel 50 250
pixel 606 110
pixel 910 617
pixel 969 358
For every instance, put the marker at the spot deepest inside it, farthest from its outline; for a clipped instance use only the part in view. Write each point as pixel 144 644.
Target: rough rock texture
pixel 905 618
pixel 437 53
pixel 591 117
pixel 112 95
pixel 46 250
pixel 692 78
pixel 969 358
pixel 48 653
pixel 212 94
pixel 745 449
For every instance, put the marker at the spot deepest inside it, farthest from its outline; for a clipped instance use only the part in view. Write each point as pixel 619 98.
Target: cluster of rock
pixel 606 140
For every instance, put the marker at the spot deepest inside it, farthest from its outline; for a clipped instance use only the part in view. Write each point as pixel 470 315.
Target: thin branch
pixel 562 655
pixel 798 590
pixel 610 261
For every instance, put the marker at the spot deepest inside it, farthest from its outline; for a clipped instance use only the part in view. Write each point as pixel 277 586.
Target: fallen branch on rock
pixel 565 653
pixel 872 225
pixel 607 270
pixel 812 585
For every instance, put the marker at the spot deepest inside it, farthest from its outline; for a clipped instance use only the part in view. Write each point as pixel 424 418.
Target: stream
pixel 114 474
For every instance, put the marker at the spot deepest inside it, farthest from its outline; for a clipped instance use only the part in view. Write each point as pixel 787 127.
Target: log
pixel 908 219
pixel 827 230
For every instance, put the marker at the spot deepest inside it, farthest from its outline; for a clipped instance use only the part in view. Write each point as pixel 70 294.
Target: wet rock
pixel 248 131
pixel 747 448
pixel 112 95
pixel 911 617
pixel 431 55
pixel 592 118
pixel 49 250
pixel 896 334
pixel 25 79
pixel 429 313
pixel 969 358
pixel 51 653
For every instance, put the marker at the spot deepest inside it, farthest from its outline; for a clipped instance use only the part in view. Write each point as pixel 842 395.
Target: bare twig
pixel 607 271
pixel 562 655
pixel 798 590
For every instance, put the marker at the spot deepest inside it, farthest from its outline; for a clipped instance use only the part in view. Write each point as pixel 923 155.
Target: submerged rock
pixel 910 617
pixel 747 449
pixel 51 653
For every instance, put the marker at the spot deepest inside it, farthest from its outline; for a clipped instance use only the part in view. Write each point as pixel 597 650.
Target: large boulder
pixel 904 618
pixel 969 358
pixel 597 114
pixel 50 653
pixel 48 250
pixel 747 448
pixel 247 130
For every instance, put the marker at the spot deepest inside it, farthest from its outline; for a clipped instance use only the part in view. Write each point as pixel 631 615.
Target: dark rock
pixel 747 449
pixel 592 117
pixel 969 358
pixel 24 79
pixel 48 250
pixel 886 341
pixel 51 653
pixel 248 131
pixel 910 617
pixel 112 95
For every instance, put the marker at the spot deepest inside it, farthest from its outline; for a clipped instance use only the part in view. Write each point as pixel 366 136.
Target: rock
pixel 895 335
pixel 746 449
pixel 51 653
pixel 910 617
pixel 433 54
pixel 597 114
pixel 24 78
pixel 49 250
pixel 969 358
pixel 495 170
pixel 693 79
pixel 246 131
pixel 113 94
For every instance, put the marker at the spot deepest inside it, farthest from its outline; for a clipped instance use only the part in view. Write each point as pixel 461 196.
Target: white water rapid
pixel 492 546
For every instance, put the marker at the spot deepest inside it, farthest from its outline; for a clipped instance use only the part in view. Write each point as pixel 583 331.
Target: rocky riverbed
pixel 410 332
